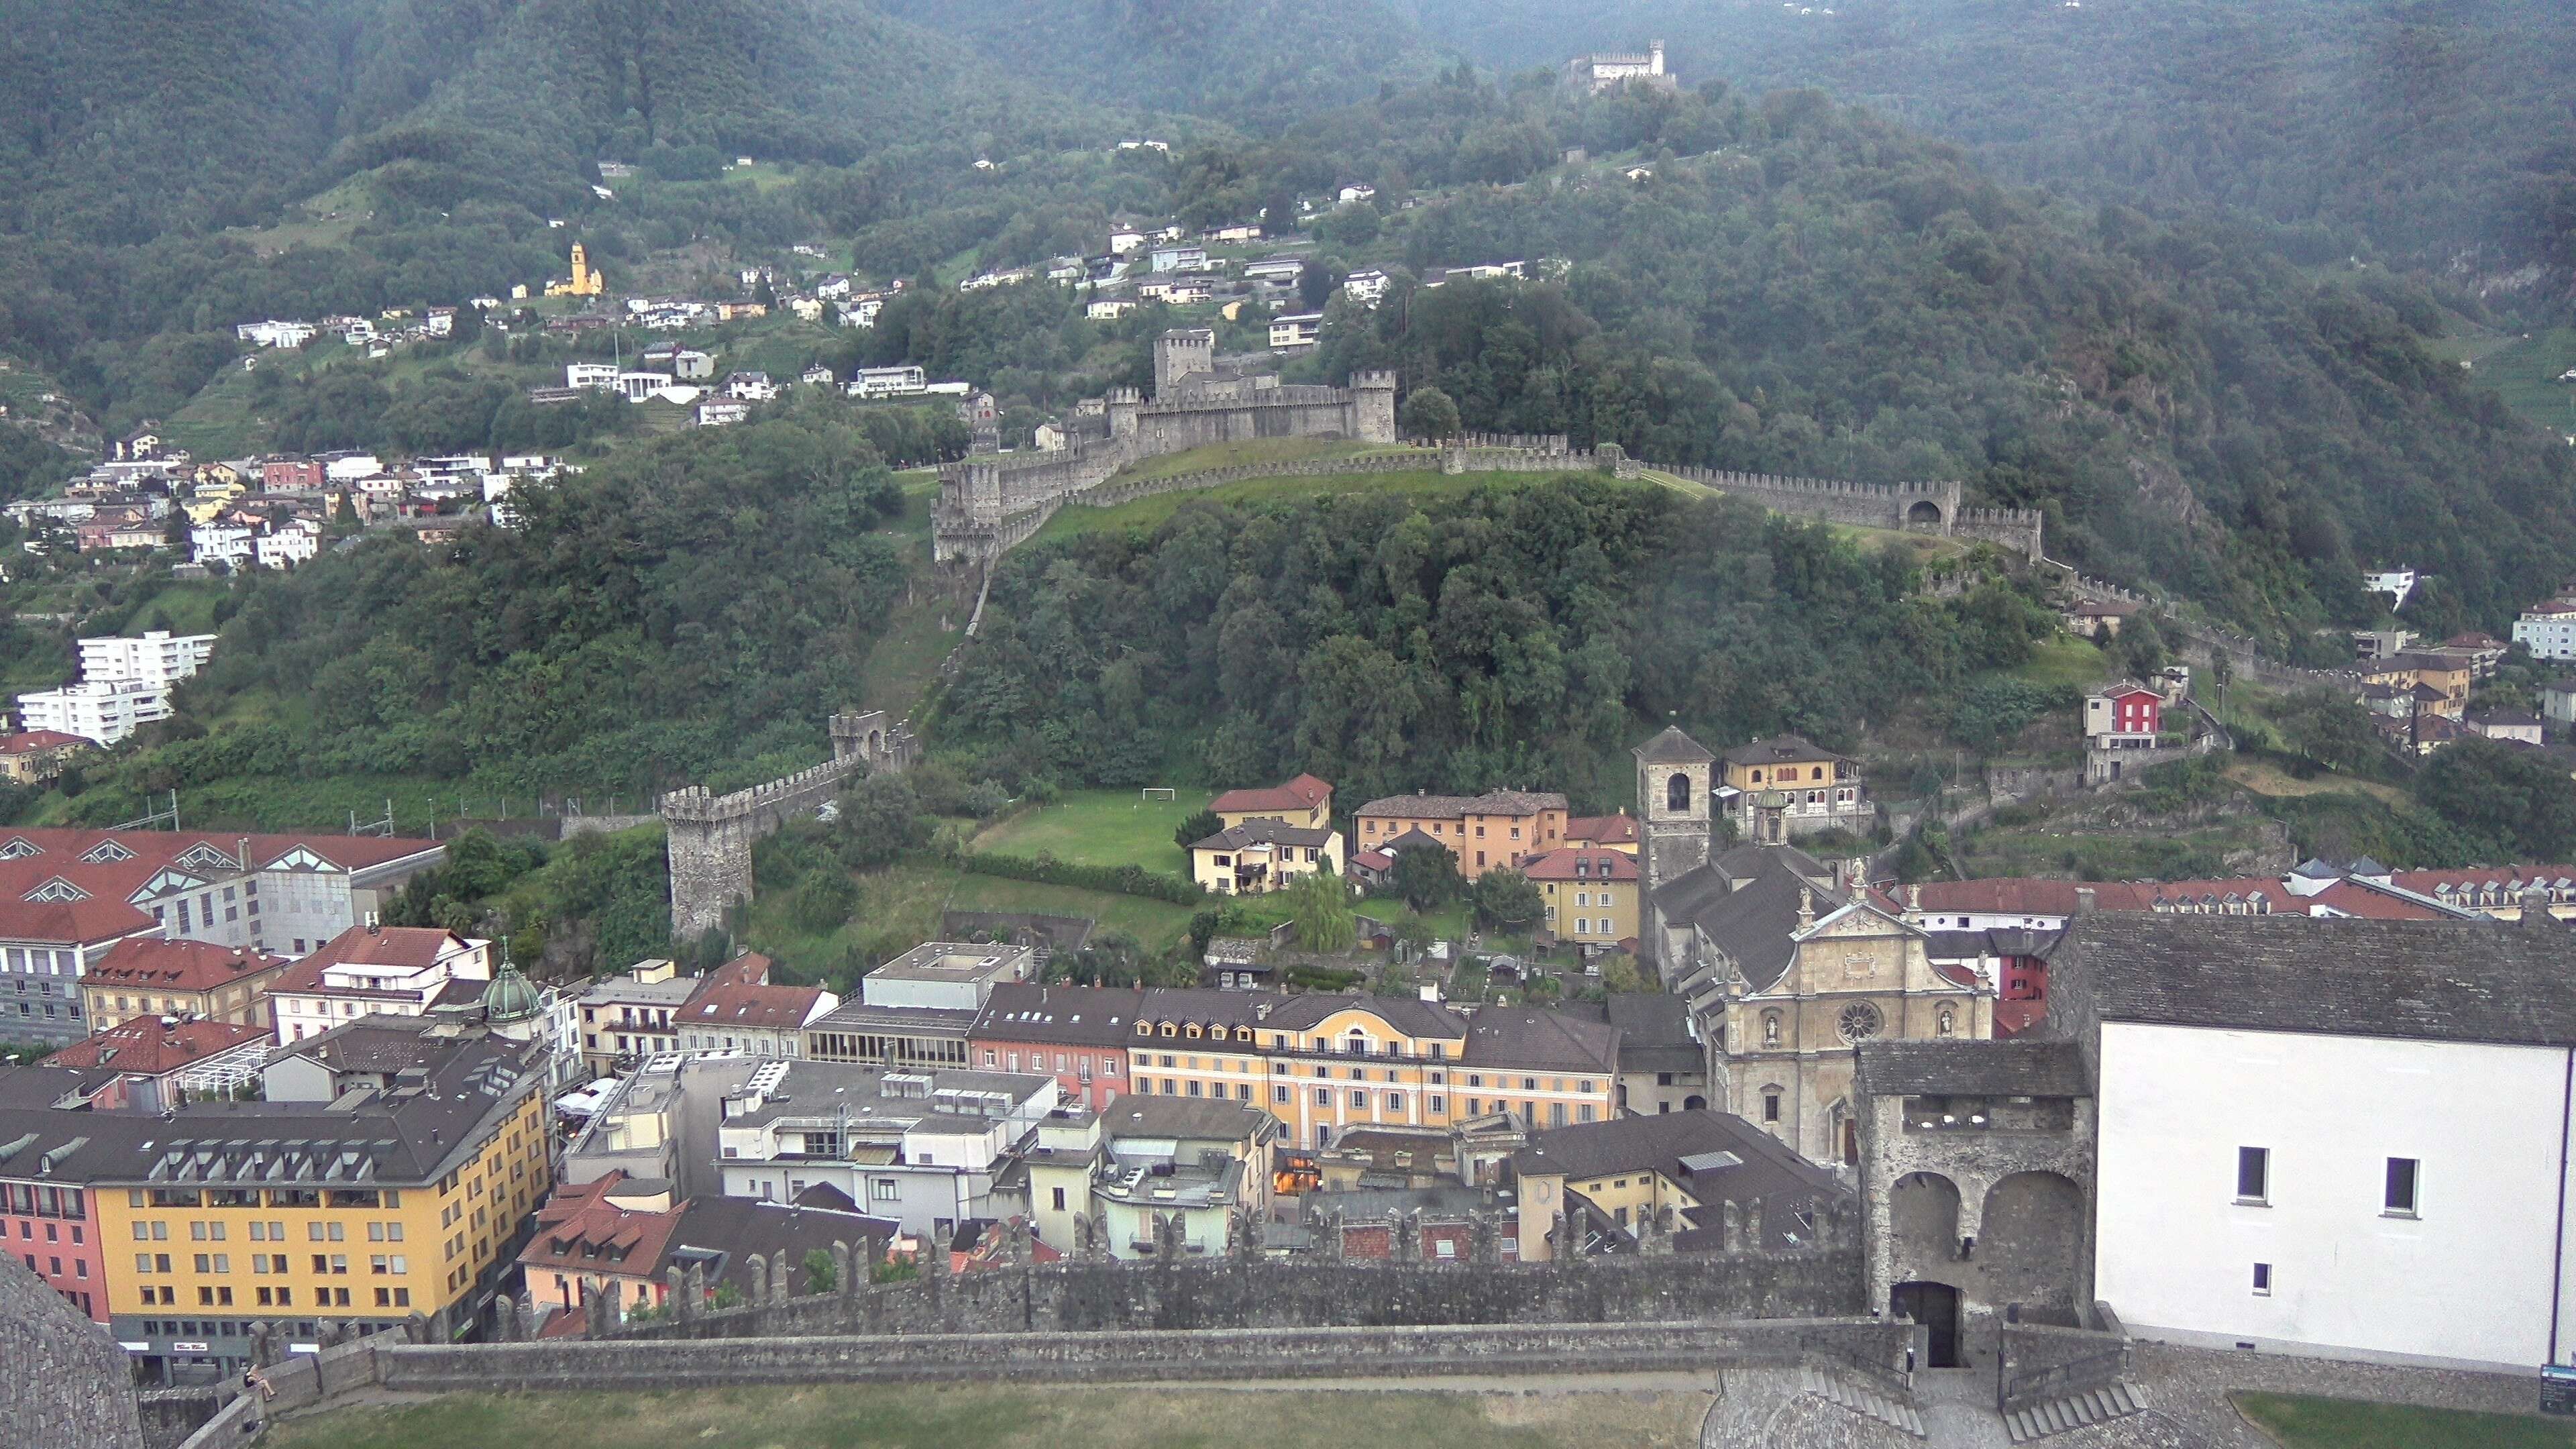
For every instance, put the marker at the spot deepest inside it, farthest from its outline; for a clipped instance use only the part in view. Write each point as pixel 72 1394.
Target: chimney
pixel 2083 900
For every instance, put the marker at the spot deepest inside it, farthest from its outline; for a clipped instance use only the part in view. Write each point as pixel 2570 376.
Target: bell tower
pixel 1672 805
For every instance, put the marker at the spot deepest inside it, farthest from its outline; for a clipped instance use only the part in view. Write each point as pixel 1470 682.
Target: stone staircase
pixel 2116 1400
pixel 1860 1398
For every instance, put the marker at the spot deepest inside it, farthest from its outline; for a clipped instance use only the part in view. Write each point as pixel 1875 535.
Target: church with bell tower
pixel 1784 961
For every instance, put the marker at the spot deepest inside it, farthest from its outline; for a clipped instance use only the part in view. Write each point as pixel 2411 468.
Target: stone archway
pixel 1925 516
pixel 1923 1221
pixel 2031 1244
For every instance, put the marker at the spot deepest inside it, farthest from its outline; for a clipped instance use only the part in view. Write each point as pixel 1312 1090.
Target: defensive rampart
pixel 708 837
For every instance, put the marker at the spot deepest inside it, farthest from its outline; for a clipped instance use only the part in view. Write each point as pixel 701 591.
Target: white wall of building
pixel 2468 1280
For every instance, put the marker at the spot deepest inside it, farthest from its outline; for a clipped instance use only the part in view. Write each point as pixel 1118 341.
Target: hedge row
pixel 1125 880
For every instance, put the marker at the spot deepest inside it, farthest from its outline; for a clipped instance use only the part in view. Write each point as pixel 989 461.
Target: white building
pixel 2396 583
pixel 1108 309
pixel 921 1147
pixel 94 709
pixel 293 542
pixel 1296 329
pixel 1177 259
pixel 233 545
pixel 350 467
pixel 1123 240
pixel 903 381
pixel 721 413
pixel 2549 629
pixel 601 375
pixel 1357 191
pixel 638 386
pixel 378 970
pixel 1366 286
pixel 2345 1138
pixel 276 334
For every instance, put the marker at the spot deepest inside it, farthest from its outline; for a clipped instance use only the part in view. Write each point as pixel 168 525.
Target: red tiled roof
pixel 738 994
pixel 623 1241
pixel 1302 793
pixel 413 947
pixel 1602 829
pixel 72 922
pixel 1599 865
pixel 2356 900
pixel 178 965
pixel 29 741
pixel 147 1047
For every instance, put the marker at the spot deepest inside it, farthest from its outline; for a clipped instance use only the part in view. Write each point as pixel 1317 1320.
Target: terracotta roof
pixel 2509 879
pixel 1452 807
pixel 411 947
pixel 147 1046
pixel 1302 793
pixel 1597 864
pixel 73 922
pixel 736 994
pixel 1618 829
pixel 151 961
pixel 29 741
pixel 1264 832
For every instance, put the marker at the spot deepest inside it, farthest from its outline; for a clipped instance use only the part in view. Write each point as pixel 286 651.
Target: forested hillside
pixel 1519 635
pixel 2440 131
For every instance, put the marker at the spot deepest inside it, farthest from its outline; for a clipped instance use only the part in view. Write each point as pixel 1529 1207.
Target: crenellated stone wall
pixel 708 837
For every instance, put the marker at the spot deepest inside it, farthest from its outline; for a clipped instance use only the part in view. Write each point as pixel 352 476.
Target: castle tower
pixel 1180 353
pixel 1122 406
pixel 1373 407
pixel 1655 58
pixel 1672 805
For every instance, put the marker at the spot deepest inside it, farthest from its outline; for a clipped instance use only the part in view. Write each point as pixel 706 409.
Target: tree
pixel 1315 284
pixel 1428 413
pixel 2332 731
pixel 1619 973
pixel 1426 875
pixel 1509 901
pixel 1197 828
pixel 1320 905
pixel 2513 796
pixel 821 1274
pixel 880 820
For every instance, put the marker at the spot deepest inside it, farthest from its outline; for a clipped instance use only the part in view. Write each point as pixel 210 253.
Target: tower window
pixel 1677 792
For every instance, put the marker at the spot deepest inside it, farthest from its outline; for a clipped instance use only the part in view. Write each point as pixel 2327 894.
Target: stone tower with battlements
pixel 707 837
pixel 1181 352
pixel 1673 808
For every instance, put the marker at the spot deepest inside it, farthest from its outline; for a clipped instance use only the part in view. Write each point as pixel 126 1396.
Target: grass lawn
pixel 2301 1422
pixel 2523 371
pixel 904 661
pixel 899 907
pixel 988 1417
pixel 1237 454
pixel 1101 827
pixel 2065 660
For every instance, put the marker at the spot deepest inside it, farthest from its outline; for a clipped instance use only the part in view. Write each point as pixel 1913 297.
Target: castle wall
pixel 707 838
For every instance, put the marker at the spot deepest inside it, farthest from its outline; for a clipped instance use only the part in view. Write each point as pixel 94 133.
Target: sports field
pixel 1101 827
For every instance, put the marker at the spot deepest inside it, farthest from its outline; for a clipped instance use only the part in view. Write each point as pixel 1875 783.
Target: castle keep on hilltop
pixel 988 503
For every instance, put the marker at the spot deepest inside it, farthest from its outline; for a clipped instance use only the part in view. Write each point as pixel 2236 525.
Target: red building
pixel 1077 1036
pixel 47 1216
pixel 2125 711
pixel 291 474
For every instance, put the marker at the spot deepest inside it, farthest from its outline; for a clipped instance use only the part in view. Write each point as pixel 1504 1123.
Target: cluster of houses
pixel 378 335
pixel 124 685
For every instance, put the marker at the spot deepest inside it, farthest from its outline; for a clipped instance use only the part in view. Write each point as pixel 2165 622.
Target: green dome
pixel 510 997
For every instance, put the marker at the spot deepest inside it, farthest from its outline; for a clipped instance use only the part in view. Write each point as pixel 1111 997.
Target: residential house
pixel 32 757
pixel 1367 286
pixel 162 1061
pixel 1108 309
pixel 916 1010
pixel 720 414
pixel 2498 723
pixel 1663 1060
pixel 2126 715
pixel 1304 801
pixel 37 1205
pixel 1177 258
pixel 1356 191
pixel 291 475
pixel 2548 630
pixel 149 976
pixel 690 365
pixel 296 541
pixel 2481 652
pixel 1151 1173
pixel 1263 855
pixel 2448 678
pixel 737 1008
pixel 2096 618
pixel 1239 963
pixel 230 544
pixel 1603 832
pixel 633 1015
pixel 920 1148
pixel 750 387
pixel 1473 272
pixel 619 1237
pixel 1782 788
pixel 98 710
pixel 1591 895
pixel 1240 231
pixel 1486 832
pixel 1603 1186
pixel 2397 584
pixel 1296 329
pixel 2558 703
pixel 379 970
pixel 1124 239
pixel 875 382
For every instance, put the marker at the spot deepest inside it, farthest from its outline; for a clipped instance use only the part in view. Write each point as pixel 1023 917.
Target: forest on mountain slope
pixel 2439 133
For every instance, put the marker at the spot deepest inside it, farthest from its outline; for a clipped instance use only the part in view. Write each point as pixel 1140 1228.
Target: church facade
pixel 1785 962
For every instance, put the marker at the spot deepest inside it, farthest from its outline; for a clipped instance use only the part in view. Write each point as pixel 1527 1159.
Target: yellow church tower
pixel 584 283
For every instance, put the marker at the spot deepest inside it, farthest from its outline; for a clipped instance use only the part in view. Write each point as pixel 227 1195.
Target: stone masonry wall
pixel 1078 1357
pixel 66 1384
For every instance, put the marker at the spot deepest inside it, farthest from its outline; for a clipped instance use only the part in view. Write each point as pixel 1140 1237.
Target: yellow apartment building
pixel 1591 894
pixel 1304 801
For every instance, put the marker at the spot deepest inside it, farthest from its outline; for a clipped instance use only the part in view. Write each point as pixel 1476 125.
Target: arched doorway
pixel 1923 1219
pixel 1925 516
pixel 1694 1103
pixel 2030 1242
pixel 1936 1307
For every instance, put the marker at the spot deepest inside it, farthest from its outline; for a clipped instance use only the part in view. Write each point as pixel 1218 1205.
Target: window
pixel 1771 1104
pixel 2399 1200
pixel 1359 1098
pixel 2254 1176
pixel 2263 1280
pixel 1323 1096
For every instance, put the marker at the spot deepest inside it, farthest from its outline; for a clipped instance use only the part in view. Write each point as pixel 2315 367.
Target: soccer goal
pixel 1158 792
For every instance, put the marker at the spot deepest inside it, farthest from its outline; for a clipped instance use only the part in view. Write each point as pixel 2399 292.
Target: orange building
pixel 1487 832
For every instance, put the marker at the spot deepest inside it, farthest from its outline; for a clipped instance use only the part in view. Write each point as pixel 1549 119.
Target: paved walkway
pixel 1958 1408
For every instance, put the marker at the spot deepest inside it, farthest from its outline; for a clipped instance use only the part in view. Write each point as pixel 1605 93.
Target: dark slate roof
pixel 1672 747
pixel 2434 980
pixel 1073 1015
pixel 1890 1067
pixel 1765 1167
pixel 1519 1037
pixel 1654 1033
pixel 1993 941
pixel 1751 923
pixel 1780 750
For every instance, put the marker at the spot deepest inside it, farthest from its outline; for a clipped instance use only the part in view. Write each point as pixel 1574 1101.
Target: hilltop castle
pixel 986 502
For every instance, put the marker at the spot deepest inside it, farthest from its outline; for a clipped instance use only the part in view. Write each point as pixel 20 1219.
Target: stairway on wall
pixel 1860 1398
pixel 2116 1400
